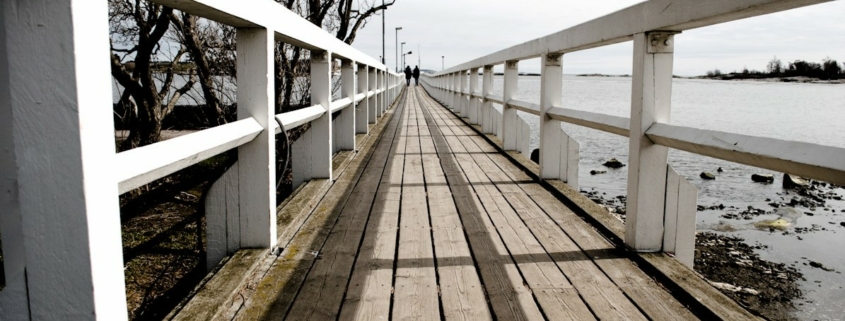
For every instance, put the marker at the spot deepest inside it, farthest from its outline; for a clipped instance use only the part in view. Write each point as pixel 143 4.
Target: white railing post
pixel 650 103
pixel 346 120
pixel 462 86
pixel 455 97
pixel 362 108
pixel 57 146
pixel 372 101
pixel 257 159
pixel 509 125
pixel 551 84
pixel 379 86
pixel 312 152
pixel 383 78
pixel 486 106
pixel 473 102
pixel 13 297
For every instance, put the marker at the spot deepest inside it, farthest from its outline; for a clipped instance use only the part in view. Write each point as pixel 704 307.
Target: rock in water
pixel 763 178
pixel 707 176
pixel 535 155
pixel 595 172
pixel 614 163
pixel 719 170
pixel 793 181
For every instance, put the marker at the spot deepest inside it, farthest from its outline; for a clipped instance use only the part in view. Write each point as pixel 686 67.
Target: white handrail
pixel 143 165
pixel 300 117
pixel 288 26
pixel 651 25
pixel 663 15
pixel 820 162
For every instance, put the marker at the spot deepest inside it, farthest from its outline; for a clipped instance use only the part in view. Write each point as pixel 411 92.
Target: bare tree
pixel 137 29
pixel 343 18
pixel 774 67
pixel 211 47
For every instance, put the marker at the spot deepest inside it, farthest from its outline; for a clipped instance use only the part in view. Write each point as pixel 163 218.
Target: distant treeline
pixel 828 69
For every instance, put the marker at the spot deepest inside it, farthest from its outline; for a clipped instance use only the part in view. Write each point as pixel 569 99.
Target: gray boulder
pixel 614 163
pixel 763 178
pixel 707 176
pixel 794 181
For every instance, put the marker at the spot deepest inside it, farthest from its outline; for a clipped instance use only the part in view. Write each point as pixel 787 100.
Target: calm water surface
pixel 812 113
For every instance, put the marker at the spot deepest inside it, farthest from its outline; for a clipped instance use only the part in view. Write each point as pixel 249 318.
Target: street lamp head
pixel 410 52
pixel 403 43
pixel 398 28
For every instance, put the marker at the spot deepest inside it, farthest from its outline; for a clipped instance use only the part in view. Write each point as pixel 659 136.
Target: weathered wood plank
pixel 508 296
pixel 650 297
pixel 605 299
pixel 370 286
pixel 275 292
pixel 462 295
pixel 415 293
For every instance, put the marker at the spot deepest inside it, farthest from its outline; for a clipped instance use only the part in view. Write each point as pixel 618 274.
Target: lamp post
pixel 403 57
pixel 383 56
pixel 396 62
pixel 402 45
pixel 442 63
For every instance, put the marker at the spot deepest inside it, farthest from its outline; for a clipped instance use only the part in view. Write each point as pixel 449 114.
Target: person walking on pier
pixel 408 75
pixel 416 75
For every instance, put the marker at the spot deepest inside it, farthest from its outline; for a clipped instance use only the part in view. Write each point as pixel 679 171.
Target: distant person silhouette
pixel 416 75
pixel 408 74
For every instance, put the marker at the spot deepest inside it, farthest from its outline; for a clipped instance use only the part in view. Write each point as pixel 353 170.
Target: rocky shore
pixel 732 266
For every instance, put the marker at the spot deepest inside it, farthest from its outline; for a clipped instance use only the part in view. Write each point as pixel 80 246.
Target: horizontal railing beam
pixel 494 98
pixel 620 26
pixel 819 162
pixel 143 165
pixel 299 117
pixel 288 26
pixel 340 104
pixel 525 106
pixel 606 123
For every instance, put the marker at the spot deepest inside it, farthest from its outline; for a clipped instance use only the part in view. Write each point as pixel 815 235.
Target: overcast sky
pixel 463 30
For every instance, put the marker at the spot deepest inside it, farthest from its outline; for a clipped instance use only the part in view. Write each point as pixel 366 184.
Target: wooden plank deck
pixel 439 225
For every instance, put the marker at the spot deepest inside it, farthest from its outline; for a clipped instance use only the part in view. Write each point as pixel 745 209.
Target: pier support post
pixel 473 101
pixel 650 103
pixel 313 150
pixel 509 116
pixel 372 102
pixel 462 99
pixel 487 106
pixel 558 152
pixel 60 216
pixel 346 120
pixel 257 159
pixel 456 97
pixel 361 108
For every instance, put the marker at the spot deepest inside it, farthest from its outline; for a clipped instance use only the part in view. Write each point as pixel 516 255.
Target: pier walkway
pixel 408 203
pixel 439 225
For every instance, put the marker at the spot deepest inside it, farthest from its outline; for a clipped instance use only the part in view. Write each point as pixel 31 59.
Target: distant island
pixel 828 71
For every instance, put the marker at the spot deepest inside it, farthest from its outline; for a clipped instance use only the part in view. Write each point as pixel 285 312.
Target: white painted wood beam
pixel 487 105
pixel 508 112
pixel 57 74
pixel 824 163
pixel 551 95
pixel 142 165
pixel 289 27
pixel 13 298
pixel 650 103
pixel 620 26
pixel 606 123
pixel 362 104
pixel 346 124
pixel 257 159
pixel 473 101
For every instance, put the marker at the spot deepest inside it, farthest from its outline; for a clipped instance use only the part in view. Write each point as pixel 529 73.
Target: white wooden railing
pixel 661 205
pixel 60 177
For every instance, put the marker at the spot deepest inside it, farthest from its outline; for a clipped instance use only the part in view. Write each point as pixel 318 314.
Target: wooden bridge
pixel 411 203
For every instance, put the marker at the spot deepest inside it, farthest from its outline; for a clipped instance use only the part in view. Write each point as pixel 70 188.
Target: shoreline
pixel 793 79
